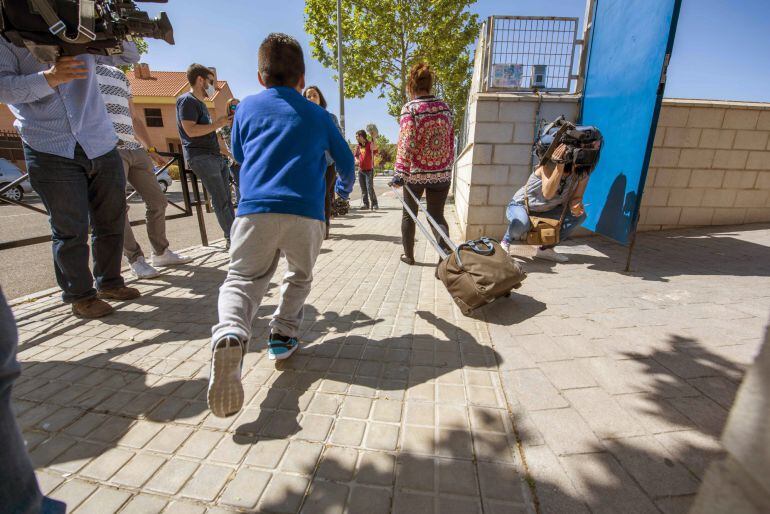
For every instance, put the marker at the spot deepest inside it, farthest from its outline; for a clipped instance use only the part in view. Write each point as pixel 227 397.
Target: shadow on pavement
pixel 658 256
pixel 442 479
pixel 391 364
pixel 660 469
pixel 366 237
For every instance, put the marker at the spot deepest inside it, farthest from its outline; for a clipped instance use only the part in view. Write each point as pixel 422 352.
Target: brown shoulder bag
pixel 545 231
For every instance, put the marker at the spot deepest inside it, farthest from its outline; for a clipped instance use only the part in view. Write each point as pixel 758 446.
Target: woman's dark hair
pixel 198 70
pixel 320 95
pixel 364 134
pixel 281 62
pixel 420 77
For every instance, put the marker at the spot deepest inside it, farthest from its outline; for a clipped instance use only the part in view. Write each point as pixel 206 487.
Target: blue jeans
pixel 214 173
pixel 19 492
pixel 75 192
pixel 519 224
pixel 366 181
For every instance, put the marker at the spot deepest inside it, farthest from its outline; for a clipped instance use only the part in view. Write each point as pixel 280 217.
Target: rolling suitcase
pixel 477 272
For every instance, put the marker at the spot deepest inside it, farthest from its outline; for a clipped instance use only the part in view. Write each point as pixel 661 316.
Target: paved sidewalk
pixel 617 385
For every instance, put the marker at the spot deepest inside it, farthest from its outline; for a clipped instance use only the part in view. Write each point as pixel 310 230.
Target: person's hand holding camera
pixel 558 156
pixel 66 69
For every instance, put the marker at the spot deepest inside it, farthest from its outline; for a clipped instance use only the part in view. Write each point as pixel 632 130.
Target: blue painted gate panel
pixel 629 43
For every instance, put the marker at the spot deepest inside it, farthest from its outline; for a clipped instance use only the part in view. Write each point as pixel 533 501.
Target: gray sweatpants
pixel 257 242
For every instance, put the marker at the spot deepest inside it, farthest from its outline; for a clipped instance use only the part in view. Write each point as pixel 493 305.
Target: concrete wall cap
pixel 686 102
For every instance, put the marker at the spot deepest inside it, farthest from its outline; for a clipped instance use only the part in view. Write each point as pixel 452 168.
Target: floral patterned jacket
pixel 425 142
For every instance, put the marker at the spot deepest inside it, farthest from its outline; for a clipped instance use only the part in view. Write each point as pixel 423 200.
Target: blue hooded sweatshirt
pixel 279 137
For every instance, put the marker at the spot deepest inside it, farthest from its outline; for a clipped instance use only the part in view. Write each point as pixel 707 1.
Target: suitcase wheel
pixel 517 285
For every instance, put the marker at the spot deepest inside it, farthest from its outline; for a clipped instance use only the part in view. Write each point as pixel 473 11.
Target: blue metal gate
pixel 631 41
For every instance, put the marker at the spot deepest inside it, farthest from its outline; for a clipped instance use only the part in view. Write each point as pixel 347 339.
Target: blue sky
pixel 721 49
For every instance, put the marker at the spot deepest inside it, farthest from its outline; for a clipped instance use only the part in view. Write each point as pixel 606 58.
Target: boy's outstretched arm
pixel 343 158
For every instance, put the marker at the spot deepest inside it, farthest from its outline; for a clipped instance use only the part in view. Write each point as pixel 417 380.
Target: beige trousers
pixel 140 174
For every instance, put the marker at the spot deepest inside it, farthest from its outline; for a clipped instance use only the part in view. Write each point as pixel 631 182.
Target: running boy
pixel 279 138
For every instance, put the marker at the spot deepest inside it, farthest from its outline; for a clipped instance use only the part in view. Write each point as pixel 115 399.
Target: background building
pixel 155 94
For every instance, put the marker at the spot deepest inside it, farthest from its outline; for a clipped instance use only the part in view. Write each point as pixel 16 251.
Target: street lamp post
pixel 340 67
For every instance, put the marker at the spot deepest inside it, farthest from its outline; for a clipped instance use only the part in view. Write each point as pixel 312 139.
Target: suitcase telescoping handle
pixel 431 220
pixel 421 226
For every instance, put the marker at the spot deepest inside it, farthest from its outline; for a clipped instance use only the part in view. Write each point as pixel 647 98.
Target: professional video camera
pixel 583 144
pixel 54 28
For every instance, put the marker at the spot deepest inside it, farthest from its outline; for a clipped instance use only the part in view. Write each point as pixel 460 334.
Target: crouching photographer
pixel 549 207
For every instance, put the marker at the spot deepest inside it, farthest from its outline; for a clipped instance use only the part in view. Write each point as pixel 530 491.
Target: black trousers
pixel 435 196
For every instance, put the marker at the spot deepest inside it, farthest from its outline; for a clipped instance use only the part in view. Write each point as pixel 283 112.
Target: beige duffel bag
pixel 478 272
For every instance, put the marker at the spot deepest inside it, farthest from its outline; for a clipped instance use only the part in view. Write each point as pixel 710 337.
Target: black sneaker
pixel 281 347
pixel 365 207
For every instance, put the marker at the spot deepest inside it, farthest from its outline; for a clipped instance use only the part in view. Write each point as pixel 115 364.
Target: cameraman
pixel 73 164
pixel 547 190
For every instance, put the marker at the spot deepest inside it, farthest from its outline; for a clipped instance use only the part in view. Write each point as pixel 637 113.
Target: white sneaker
pixel 225 392
pixel 549 254
pixel 169 258
pixel 141 269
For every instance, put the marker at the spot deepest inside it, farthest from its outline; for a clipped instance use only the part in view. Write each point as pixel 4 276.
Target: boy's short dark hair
pixel 198 70
pixel 281 62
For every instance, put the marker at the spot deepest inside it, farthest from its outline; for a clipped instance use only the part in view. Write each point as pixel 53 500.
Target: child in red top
pixel 365 160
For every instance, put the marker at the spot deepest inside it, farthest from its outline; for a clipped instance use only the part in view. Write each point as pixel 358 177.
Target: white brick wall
pixel 502 137
pixel 710 163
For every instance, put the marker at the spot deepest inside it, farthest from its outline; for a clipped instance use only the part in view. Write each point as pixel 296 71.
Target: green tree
pixel 142 47
pixel 382 40
pixel 386 153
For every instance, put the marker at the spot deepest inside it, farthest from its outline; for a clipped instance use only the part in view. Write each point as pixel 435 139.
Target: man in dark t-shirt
pixel 200 144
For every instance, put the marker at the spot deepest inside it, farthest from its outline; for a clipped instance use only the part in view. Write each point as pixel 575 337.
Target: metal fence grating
pixel 530 53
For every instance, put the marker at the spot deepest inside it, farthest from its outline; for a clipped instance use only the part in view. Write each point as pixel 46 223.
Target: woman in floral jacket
pixel 425 154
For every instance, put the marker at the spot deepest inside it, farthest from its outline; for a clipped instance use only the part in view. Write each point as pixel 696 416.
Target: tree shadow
pixel 442 479
pixel 685 391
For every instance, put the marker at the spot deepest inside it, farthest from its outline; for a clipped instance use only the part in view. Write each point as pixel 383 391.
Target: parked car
pixel 164 179
pixel 8 173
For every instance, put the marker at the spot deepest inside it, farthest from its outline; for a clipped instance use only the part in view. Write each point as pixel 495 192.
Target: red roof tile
pixel 162 83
